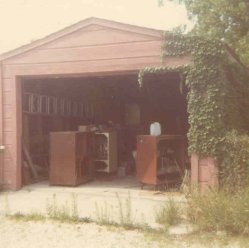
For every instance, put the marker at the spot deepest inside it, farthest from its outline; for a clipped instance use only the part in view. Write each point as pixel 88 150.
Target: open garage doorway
pixel 114 109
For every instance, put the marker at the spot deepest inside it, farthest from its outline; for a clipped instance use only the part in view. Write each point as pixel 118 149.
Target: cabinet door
pixel 84 155
pixel 81 146
pixel 146 163
pixel 62 158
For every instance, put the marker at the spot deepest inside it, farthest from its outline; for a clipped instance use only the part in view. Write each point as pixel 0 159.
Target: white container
pixel 155 129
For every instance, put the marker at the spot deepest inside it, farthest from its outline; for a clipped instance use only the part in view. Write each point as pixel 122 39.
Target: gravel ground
pixel 49 234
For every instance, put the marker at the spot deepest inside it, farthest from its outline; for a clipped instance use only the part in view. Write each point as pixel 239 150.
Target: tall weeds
pixel 63 212
pixel 169 213
pixel 220 211
pixel 126 217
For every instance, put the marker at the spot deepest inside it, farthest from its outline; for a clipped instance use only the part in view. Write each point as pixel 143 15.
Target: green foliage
pixel 235 163
pixel 206 99
pixel 223 20
pixel 217 101
pixel 169 213
pixel 148 70
pixel 206 102
pixel 220 211
pixel 218 94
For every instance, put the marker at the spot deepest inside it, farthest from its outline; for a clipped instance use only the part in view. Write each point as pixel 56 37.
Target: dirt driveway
pixel 49 234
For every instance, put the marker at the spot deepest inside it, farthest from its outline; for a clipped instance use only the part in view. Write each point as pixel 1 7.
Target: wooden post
pixel 204 172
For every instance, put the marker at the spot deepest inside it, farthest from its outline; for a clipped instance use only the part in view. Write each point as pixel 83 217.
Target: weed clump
pixel 169 214
pixel 27 217
pixel 104 214
pixel 126 217
pixel 63 212
pixel 220 211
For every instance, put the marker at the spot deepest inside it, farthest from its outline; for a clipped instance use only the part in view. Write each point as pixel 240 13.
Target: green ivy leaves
pixel 218 88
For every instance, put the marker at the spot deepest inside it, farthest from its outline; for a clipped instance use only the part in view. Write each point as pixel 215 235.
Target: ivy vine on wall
pixel 218 93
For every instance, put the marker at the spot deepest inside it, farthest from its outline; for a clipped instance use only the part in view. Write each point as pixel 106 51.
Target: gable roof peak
pixel 80 25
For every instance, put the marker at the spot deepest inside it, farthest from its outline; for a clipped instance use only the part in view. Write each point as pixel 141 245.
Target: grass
pixel 169 214
pixel 63 212
pixel 67 212
pixel 161 239
pixel 220 211
pixel 197 239
pixel 27 217
pixel 126 217
pixel 104 214
pixel 213 213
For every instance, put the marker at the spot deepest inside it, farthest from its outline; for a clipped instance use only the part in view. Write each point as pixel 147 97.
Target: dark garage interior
pixel 106 115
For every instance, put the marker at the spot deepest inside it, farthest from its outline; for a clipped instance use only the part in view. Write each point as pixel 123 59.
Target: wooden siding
pixel 81 67
pixel 89 50
pixel 89 67
pixel 87 24
pixel 92 45
pixel 93 49
pixel 101 36
pixel 90 53
pixel 1 127
pixel 11 130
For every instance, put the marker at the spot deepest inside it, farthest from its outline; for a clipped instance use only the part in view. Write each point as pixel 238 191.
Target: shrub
pixel 234 165
pixel 220 211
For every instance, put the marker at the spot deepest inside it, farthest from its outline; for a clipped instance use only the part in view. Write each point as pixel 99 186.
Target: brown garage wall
pixel 1 127
pixel 11 132
pixel 97 48
pixel 74 54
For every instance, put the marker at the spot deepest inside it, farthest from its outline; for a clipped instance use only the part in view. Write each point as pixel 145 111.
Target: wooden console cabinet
pixel 160 159
pixel 71 158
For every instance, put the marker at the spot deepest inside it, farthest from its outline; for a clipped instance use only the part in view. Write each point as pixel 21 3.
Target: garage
pixel 84 79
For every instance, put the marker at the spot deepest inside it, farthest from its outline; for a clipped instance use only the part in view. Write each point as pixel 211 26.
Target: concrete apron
pixel 93 201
